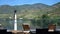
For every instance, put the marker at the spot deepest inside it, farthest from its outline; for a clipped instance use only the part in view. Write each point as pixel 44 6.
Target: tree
pixel 45 20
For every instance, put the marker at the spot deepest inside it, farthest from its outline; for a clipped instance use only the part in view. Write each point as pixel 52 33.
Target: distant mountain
pixel 57 5
pixel 29 11
pixel 57 8
pixel 6 9
pixel 9 9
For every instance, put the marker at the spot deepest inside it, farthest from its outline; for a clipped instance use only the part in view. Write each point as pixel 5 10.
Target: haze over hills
pixel 29 11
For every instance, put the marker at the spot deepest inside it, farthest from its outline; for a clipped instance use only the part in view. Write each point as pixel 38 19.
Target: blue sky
pixel 21 2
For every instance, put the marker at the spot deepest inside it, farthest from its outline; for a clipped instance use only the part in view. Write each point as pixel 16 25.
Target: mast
pixel 15 20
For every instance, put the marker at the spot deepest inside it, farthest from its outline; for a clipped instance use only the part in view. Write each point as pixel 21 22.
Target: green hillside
pixel 29 11
pixel 41 15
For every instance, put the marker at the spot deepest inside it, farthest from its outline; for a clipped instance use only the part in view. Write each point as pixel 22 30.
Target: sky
pixel 22 2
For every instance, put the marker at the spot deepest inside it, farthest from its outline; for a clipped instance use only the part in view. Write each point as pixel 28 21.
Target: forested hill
pixel 30 10
pixel 22 8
